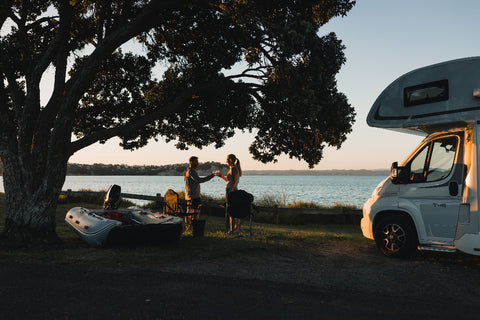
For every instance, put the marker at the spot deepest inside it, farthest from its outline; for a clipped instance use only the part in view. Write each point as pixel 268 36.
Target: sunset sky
pixel 384 39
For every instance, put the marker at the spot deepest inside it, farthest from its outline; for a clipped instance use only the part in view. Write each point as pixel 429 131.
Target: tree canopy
pixel 256 65
pixel 229 64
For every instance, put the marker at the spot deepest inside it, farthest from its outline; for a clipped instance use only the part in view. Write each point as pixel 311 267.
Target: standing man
pixel 192 190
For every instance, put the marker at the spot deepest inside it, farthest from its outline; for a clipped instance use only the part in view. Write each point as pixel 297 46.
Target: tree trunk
pixel 30 226
pixel 31 202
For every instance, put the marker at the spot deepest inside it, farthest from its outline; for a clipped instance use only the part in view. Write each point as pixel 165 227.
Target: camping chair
pixel 171 206
pixel 170 203
pixel 239 205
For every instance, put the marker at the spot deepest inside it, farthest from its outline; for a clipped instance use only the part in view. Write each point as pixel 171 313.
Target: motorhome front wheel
pixel 395 236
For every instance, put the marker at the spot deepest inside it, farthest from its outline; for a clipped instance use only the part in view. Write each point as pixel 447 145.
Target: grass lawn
pixel 267 239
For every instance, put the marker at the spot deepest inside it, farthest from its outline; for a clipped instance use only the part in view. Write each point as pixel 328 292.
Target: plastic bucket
pixel 198 228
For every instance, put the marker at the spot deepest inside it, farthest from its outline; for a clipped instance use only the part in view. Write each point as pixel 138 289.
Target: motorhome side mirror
pixel 398 174
pixel 394 170
pixel 394 173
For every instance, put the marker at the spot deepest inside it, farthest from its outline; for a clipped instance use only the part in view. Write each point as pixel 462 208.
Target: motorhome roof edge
pixel 436 95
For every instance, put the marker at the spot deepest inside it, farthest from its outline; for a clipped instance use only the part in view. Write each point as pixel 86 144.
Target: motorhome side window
pixel 425 93
pixel 434 161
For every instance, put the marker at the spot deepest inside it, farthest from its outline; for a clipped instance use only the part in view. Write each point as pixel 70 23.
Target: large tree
pixel 257 65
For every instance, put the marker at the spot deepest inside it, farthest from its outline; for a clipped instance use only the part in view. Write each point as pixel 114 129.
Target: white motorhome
pixel 431 199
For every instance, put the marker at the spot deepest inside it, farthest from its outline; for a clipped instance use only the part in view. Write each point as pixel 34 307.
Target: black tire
pixel 396 236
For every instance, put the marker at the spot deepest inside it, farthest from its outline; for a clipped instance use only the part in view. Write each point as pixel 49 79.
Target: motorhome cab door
pixel 432 190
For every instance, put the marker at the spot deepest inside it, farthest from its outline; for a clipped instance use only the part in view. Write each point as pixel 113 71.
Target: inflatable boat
pixel 113 226
pixel 101 227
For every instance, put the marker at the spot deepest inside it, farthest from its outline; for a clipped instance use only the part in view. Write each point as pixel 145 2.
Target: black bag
pixel 239 204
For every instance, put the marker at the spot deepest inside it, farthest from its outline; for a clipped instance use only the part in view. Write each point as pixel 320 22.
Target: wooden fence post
pixel 276 215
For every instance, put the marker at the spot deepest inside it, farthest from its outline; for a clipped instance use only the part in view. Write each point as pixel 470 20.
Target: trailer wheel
pixel 395 236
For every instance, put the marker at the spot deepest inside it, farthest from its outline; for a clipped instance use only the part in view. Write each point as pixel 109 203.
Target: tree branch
pixel 13 16
pixel 60 58
pixel 39 21
pixel 5 11
pixel 59 40
pixel 178 104
pixel 145 20
pixel 246 75
pixel 16 93
pixel 47 115
pixel 4 121
pixel 79 83
pixel 107 133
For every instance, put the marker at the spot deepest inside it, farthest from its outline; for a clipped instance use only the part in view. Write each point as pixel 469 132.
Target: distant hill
pixel 99 169
pixel 361 172
pixel 205 168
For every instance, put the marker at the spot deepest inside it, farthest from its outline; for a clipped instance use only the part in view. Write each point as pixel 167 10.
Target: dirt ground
pixel 330 280
pixel 338 264
pixel 445 284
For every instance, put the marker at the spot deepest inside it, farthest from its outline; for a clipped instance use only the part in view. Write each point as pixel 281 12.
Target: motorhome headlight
pixel 379 188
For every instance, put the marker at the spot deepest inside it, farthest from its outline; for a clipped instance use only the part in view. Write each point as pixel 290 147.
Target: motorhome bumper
pixel 366 222
pixel 366 225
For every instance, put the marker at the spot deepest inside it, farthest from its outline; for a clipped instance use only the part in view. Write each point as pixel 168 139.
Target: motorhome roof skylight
pixel 425 93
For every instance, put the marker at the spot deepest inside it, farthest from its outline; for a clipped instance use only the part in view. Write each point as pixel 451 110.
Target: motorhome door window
pixel 443 156
pixel 425 93
pixel 434 161
pixel 418 165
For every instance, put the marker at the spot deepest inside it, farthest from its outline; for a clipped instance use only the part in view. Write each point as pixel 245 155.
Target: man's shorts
pixel 194 203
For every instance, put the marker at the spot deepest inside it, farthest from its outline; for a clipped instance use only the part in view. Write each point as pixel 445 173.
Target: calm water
pixel 323 190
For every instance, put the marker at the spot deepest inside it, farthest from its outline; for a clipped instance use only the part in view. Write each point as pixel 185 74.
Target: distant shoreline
pixel 206 168
pixel 361 172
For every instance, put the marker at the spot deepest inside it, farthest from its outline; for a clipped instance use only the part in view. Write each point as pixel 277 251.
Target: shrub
pixel 83 195
pixel 302 204
pixel 338 205
pixel 268 200
pixel 89 196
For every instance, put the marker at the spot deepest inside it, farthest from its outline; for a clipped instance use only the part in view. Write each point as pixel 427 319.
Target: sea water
pixel 322 190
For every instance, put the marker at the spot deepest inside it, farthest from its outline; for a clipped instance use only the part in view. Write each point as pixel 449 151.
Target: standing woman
pixel 232 179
